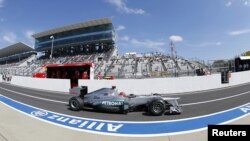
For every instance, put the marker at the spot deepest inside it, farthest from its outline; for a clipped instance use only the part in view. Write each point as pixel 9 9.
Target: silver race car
pixel 110 100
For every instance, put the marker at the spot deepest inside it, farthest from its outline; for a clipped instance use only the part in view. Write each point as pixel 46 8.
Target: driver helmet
pixel 122 94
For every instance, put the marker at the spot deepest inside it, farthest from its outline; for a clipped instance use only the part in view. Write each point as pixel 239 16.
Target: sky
pixel 200 29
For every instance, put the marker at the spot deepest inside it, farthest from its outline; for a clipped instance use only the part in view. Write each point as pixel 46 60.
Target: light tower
pixel 173 50
pixel 174 57
pixel 52 45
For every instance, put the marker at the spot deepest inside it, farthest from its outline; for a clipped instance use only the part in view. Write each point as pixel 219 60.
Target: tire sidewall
pixel 153 104
pixel 78 103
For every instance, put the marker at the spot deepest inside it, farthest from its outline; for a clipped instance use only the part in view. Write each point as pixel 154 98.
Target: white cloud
pixel 1 3
pixel 243 2
pixel 246 2
pixel 205 44
pixel 175 38
pixel 10 37
pixel 218 43
pixel 28 34
pixel 228 4
pixel 122 7
pixel 147 43
pixel 156 45
pixel 125 38
pixel 239 32
pixel 120 27
pixel 29 39
pixel 2 20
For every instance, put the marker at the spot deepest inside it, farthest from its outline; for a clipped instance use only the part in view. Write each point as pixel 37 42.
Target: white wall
pixel 239 78
pixel 168 85
pixel 61 85
pixel 138 86
pixel 157 85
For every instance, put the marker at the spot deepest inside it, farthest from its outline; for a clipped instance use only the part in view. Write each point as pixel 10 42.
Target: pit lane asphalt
pixel 239 95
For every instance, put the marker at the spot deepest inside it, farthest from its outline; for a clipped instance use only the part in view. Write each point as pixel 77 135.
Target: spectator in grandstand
pixel 85 75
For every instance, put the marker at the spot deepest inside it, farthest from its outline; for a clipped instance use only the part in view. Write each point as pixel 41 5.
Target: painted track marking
pixel 23 94
pixel 214 100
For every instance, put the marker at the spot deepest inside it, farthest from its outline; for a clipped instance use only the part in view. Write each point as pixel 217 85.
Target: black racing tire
pixel 157 107
pixel 76 103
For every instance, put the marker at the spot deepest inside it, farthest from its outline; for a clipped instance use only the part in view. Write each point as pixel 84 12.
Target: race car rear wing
pixel 79 91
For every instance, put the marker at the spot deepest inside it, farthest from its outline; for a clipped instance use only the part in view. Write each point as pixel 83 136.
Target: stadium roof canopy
pixel 244 57
pixel 73 26
pixel 15 49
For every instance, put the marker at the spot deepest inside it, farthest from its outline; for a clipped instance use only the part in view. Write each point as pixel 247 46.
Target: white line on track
pixel 35 89
pixel 223 98
pixel 23 94
pixel 210 90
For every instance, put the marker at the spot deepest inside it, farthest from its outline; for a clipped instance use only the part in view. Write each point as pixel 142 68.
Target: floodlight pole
pixel 172 47
pixel 174 57
pixel 52 45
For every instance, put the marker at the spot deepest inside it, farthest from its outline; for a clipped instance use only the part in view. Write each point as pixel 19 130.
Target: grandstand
pixel 146 65
pixel 242 62
pixel 91 41
pixel 97 36
pixel 16 55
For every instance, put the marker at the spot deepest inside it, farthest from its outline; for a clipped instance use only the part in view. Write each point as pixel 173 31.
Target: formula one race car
pixel 109 100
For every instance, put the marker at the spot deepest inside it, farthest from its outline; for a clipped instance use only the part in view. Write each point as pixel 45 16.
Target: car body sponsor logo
pixel 112 103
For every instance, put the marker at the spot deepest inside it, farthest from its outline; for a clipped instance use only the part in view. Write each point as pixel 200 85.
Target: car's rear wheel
pixel 157 107
pixel 76 103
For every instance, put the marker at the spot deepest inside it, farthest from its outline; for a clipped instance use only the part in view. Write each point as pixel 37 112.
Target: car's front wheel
pixel 76 103
pixel 157 107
